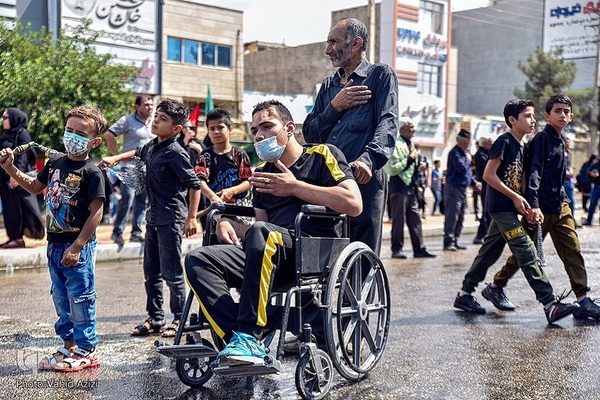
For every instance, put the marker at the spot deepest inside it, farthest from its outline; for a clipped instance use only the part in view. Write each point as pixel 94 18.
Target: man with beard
pixel 356 110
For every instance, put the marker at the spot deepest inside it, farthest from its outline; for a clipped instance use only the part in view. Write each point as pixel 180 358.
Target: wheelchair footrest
pixel 187 351
pixel 270 365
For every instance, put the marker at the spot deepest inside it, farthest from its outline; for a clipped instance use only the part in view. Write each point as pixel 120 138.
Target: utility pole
pixel 371 17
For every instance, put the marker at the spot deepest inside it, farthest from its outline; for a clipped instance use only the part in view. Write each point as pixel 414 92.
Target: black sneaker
pixel 588 308
pixel 399 254
pixel 136 239
pixel 118 240
pixel 460 247
pixel 424 254
pixel 497 297
pixel 558 311
pixel 468 303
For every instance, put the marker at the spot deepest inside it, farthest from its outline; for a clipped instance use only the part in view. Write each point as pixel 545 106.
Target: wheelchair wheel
pixel 195 372
pixel 358 313
pixel 309 382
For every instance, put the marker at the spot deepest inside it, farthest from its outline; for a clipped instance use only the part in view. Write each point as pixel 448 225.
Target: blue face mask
pixel 268 149
pixel 74 144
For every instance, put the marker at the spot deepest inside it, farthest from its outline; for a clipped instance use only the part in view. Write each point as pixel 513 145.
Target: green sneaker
pixel 242 349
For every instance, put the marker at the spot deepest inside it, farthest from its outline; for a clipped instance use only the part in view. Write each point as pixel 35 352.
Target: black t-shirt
pixel 319 165
pixel 70 188
pixel 510 171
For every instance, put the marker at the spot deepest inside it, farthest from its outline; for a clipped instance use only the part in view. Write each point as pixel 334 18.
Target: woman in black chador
pixel 20 208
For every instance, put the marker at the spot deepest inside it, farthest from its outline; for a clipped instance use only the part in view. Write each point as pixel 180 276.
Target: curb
pixel 36 257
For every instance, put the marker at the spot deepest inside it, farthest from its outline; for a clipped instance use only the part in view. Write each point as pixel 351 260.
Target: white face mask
pixel 74 144
pixel 268 149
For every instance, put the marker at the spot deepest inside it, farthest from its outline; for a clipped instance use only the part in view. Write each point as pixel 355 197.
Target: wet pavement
pixel 433 351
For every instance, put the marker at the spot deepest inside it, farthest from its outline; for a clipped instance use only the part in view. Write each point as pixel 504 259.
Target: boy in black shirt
pixel 504 202
pixel 169 177
pixel 545 173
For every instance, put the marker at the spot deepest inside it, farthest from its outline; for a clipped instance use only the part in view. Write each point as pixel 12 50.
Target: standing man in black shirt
pixel 480 160
pixel 357 111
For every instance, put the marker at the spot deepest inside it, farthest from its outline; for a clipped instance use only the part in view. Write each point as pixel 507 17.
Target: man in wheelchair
pixel 255 258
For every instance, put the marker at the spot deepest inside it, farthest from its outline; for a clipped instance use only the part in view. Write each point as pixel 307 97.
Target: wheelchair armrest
pixel 315 209
pixel 233 210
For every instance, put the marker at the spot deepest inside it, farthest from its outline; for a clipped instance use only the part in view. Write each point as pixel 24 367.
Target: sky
pixel 299 22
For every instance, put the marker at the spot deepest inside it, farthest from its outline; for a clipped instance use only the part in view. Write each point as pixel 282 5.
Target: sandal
pixel 80 359
pixel 148 327
pixel 49 362
pixel 171 330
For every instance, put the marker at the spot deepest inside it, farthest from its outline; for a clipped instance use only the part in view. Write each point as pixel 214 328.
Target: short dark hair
pixel 89 113
pixel 280 110
pixel 515 107
pixel 558 98
pixel 218 113
pixel 175 109
pixel 142 97
pixel 356 28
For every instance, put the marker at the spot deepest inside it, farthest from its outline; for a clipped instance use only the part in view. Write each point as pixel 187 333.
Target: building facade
pixel 181 47
pixel 415 39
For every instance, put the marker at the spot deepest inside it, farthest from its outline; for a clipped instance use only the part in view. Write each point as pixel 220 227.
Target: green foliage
pixel 46 78
pixel 550 74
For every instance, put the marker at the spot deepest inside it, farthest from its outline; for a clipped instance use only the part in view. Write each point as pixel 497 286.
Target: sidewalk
pixel 34 255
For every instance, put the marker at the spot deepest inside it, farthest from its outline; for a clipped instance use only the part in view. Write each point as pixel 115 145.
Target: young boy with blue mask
pixel 169 178
pixel 74 200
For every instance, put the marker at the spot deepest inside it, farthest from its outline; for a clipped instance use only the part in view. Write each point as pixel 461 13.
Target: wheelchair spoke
pixel 358 313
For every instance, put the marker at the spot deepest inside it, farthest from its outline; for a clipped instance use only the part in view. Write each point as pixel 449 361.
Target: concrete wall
pixel 286 71
pixel 296 70
pixel 490 42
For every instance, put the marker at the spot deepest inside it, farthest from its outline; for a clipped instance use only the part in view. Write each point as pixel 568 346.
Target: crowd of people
pixel 359 158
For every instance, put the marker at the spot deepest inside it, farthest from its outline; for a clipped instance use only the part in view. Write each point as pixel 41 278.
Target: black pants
pixel 404 209
pixel 21 213
pixel 367 226
pixel 162 262
pixel 266 259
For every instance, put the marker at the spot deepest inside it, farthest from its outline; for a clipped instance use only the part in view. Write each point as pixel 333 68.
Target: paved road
pixel 434 352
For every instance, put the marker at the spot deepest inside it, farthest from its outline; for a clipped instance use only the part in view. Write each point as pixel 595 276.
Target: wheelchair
pixel 346 281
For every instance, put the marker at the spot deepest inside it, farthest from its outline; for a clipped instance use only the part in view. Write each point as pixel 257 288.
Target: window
pixel 208 54
pixel 429 80
pixel 173 49
pixel 190 54
pixel 193 52
pixel 431 14
pixel 224 56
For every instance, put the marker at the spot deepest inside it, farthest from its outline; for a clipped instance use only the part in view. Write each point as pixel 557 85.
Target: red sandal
pixel 81 359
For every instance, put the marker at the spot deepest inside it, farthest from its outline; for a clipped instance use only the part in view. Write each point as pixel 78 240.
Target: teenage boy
pixel 293 175
pixel 74 199
pixel 545 171
pixel 223 169
pixel 169 176
pixel 504 203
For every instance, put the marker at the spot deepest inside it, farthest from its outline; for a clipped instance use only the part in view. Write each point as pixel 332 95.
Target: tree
pixel 46 78
pixel 548 74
